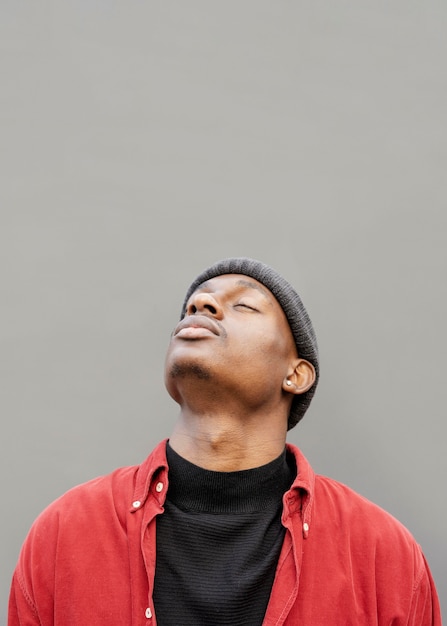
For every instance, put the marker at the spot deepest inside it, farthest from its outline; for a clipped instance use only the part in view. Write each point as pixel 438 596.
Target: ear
pixel 301 378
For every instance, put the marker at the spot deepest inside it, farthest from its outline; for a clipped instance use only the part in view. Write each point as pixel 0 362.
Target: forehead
pixel 236 283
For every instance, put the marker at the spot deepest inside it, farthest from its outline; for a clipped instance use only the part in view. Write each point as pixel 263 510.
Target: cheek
pixel 270 346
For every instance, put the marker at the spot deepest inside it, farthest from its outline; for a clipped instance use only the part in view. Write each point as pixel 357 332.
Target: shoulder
pixel 382 551
pixel 102 501
pixel 341 519
pixel 365 528
pixel 372 559
pixel 345 504
pixel 87 503
pixel 333 505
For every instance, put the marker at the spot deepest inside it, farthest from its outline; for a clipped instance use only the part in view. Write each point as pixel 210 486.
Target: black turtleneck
pixel 218 543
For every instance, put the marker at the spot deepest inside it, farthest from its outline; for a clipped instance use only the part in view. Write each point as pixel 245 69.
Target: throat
pixel 225 444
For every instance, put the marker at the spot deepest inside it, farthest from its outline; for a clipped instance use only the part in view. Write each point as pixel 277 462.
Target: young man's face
pixel 234 333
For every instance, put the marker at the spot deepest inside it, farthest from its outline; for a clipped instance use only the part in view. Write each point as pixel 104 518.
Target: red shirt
pixel 89 559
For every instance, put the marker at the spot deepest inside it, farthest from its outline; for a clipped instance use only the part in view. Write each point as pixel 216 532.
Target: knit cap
pixel 290 302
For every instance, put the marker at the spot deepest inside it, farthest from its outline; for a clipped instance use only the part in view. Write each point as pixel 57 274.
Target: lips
pixel 197 321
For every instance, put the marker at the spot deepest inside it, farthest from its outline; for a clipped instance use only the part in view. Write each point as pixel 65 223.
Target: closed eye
pixel 244 305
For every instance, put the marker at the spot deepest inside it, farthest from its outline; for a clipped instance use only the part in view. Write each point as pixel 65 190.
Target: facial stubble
pixel 182 370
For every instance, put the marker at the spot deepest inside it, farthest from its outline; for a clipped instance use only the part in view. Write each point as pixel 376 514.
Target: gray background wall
pixel 142 141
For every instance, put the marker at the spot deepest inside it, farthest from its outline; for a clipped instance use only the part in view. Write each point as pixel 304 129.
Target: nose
pixel 205 304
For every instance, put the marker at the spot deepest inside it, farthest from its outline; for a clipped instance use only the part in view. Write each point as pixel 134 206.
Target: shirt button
pixel 305 527
pixel 148 613
pixel 136 504
pixel 159 487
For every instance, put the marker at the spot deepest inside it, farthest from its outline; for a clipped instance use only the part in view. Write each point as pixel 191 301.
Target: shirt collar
pixel 150 474
pixel 152 477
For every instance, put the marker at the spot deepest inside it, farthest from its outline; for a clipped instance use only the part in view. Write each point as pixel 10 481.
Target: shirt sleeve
pixel 21 611
pixel 31 599
pixel 425 609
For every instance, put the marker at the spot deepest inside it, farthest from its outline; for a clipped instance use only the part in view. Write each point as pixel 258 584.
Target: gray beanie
pixel 299 321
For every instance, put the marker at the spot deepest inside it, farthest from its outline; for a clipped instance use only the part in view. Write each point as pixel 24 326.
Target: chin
pixel 184 370
pixel 180 375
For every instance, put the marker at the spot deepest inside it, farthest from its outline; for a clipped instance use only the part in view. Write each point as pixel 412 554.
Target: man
pixel 225 523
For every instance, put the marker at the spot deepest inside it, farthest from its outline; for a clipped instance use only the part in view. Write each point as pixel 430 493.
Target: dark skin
pixel 233 367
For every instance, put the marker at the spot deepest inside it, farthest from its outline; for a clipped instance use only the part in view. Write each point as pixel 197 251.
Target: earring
pixel 288 383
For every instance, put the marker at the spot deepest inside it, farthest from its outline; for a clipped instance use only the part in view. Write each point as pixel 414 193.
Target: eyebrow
pixel 242 283
pixel 250 285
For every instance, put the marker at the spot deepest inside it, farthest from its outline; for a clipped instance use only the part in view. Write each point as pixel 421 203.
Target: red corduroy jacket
pixel 89 559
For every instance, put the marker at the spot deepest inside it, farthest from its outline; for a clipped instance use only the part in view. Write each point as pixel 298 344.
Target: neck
pixel 226 443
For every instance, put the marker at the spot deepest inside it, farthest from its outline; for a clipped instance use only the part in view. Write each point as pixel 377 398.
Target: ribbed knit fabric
pixel 218 543
pixel 293 307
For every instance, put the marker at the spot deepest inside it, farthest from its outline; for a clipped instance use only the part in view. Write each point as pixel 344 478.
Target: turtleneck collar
pixel 195 489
